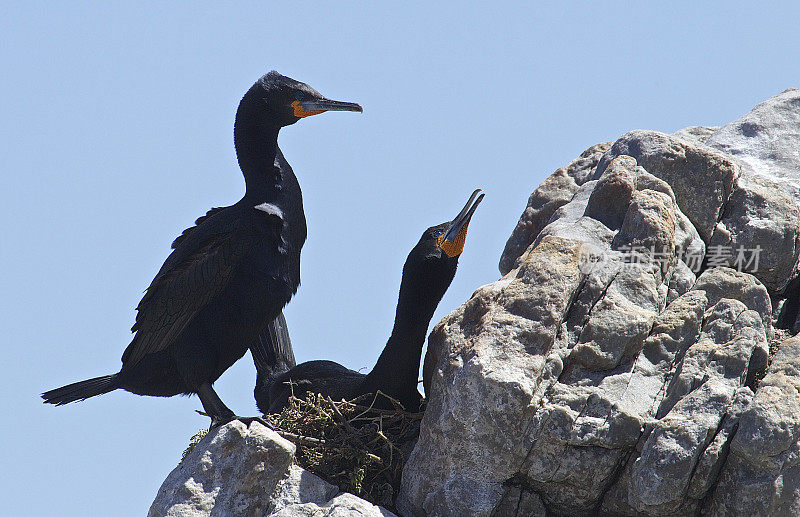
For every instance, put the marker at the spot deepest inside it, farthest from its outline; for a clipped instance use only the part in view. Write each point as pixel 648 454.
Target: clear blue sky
pixel 117 133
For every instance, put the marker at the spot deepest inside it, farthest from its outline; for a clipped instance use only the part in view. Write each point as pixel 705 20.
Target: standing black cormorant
pixel 228 276
pixel 427 273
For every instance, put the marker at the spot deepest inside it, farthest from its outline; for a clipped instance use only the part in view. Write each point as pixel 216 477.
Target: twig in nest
pixel 351 444
pixel 292 437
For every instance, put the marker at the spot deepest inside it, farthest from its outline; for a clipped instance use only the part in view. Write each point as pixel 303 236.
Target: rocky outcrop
pixel 762 473
pixel 554 192
pixel 765 140
pixel 616 367
pixel 701 178
pixel 241 470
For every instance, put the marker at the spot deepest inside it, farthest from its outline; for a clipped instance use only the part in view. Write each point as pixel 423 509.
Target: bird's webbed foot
pixel 247 420
pixel 217 421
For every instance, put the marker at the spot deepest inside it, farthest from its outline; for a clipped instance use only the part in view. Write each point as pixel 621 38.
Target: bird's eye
pixel 439 232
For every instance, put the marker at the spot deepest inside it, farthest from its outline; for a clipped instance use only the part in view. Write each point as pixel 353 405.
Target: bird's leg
pixel 220 413
pixel 214 407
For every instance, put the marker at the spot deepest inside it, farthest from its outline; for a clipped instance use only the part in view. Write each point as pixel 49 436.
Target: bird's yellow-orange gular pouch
pixel 300 112
pixel 456 246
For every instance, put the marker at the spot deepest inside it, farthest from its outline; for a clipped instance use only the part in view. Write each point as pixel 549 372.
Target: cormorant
pixel 427 273
pixel 229 276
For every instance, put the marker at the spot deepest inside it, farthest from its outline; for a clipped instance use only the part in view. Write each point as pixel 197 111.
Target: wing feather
pixel 176 296
pixel 204 260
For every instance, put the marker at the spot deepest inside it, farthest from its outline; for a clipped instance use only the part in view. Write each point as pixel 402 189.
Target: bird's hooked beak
pixel 316 106
pixel 453 239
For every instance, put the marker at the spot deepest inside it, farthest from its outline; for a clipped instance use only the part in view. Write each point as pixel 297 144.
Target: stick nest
pixel 351 444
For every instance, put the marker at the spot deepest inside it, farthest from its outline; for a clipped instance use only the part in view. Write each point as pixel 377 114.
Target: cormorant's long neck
pixel 397 369
pixel 256 143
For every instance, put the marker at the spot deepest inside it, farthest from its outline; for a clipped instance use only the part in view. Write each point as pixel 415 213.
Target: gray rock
pixel 611 195
pixel 680 281
pixel 767 140
pixel 474 435
pixel 762 212
pixel 553 192
pixel 684 444
pixel 722 282
pixel 699 134
pixel 301 488
pixel 569 222
pixel 560 334
pixel 659 477
pixel 518 502
pixel 703 375
pixel 706 471
pixel 759 232
pixel 343 505
pixel 241 470
pixel 762 473
pixel 620 321
pixel 731 335
pixel 216 478
pixel 701 178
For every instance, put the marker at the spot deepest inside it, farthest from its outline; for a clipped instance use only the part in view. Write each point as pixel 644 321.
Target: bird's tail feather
pixel 81 390
pixel 272 355
pixel 272 350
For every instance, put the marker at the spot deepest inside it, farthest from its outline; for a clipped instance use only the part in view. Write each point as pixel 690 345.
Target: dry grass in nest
pixel 351 444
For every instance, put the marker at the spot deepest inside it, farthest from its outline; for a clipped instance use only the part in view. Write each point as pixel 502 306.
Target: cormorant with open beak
pixel 427 273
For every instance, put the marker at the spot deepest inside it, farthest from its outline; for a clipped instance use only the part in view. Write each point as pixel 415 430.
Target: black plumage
pixel 427 273
pixel 272 356
pixel 229 276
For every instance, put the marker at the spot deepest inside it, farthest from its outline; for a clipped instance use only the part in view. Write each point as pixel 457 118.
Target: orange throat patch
pixel 456 246
pixel 299 112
